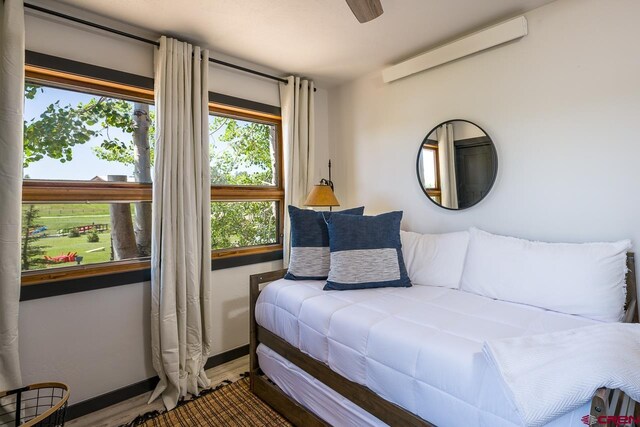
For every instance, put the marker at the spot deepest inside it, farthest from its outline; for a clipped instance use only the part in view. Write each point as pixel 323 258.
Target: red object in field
pixel 69 257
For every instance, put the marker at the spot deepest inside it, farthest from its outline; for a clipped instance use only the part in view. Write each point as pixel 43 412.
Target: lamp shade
pixel 321 195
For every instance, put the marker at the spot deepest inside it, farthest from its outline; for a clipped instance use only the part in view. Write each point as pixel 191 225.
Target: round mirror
pixel 457 164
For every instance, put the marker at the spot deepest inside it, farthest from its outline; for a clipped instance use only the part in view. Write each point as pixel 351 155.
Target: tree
pixel 249 146
pixel 61 127
pixel 138 153
pixel 123 240
pixel 236 224
pixel 32 254
pixel 142 173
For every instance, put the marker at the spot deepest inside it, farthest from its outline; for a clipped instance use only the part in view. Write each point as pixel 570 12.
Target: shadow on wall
pixel 145 313
pixel 381 205
pixel 233 326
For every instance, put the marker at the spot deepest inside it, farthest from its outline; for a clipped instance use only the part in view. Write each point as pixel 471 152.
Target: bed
pixel 367 357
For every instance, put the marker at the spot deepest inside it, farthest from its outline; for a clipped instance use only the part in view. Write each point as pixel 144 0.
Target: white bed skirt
pixel 339 411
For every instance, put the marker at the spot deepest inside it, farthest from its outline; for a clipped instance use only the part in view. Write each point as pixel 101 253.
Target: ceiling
pixel 320 39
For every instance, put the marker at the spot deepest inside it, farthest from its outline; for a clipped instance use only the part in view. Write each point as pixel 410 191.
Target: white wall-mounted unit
pixel 484 39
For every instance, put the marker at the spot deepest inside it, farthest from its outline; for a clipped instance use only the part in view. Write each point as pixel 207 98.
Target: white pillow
pixel 434 259
pixel 587 279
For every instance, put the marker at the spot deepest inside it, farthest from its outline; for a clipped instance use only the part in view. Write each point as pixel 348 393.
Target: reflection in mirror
pixel 456 164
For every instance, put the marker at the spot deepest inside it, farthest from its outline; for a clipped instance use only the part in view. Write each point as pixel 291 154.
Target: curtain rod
pixel 144 40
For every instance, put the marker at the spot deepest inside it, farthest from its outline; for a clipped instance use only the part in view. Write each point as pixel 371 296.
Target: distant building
pixel 104 178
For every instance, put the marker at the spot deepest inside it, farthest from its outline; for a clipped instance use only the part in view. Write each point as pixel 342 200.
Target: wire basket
pixel 42 405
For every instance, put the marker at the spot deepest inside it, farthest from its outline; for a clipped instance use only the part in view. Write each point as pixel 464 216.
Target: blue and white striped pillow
pixel 310 243
pixel 366 252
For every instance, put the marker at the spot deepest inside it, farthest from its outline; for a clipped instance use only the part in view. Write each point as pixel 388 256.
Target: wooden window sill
pixel 49 191
pixel 51 275
pixel 251 250
pixel 73 279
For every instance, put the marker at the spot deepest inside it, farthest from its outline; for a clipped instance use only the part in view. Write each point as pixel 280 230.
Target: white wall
pixel 98 341
pixel 464 130
pixel 562 106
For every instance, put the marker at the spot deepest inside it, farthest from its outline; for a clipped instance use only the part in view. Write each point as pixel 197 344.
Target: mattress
pixel 311 393
pixel 418 347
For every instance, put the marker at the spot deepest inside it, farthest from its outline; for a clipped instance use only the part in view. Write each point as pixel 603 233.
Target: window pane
pixel 242 152
pixel 429 167
pixel 238 224
pixel 62 235
pixel 70 135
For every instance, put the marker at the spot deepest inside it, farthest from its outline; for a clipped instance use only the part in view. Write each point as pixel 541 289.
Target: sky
pixel 84 165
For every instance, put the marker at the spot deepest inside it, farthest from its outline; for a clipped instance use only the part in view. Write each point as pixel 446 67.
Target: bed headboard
pixel 632 297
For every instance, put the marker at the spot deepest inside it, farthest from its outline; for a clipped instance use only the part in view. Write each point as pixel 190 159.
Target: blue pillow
pixel 309 258
pixel 366 252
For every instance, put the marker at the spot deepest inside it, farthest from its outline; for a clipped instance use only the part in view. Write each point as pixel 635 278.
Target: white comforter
pixel 420 347
pixel 546 374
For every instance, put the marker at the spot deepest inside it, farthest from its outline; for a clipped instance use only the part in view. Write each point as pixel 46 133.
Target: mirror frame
pixel 493 151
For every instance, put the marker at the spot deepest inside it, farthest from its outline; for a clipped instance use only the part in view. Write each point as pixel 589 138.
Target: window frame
pixel 66 74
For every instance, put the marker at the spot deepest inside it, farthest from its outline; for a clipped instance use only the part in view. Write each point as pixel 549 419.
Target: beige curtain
pixel 447 166
pixel 181 237
pixel 298 132
pixel 11 123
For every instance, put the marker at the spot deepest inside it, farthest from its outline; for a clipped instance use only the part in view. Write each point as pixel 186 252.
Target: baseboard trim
pixel 132 390
pixel 227 356
pixel 111 398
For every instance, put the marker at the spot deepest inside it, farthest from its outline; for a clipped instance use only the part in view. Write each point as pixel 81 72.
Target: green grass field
pixel 64 216
pixel 63 245
pixel 234 223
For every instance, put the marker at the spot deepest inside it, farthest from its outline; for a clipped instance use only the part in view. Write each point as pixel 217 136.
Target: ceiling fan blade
pixel 365 10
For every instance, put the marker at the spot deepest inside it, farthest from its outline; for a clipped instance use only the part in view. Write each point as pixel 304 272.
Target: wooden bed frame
pixel 605 403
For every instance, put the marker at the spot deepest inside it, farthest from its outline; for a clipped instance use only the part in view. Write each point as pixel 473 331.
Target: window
pixel 87 182
pixel 430 167
pixel 88 168
pixel 246 182
pixel 430 170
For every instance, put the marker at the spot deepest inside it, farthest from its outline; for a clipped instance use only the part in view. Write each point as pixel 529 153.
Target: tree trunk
pixel 122 237
pixel 142 173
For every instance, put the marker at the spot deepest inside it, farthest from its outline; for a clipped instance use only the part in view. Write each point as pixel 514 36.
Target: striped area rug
pixel 230 404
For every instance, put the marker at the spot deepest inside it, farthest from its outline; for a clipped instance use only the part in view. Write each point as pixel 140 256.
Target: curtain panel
pixel 447 165
pixel 11 129
pixel 181 229
pixel 298 133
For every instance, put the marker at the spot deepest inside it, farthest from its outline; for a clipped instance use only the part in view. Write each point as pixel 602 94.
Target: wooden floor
pixel 126 411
